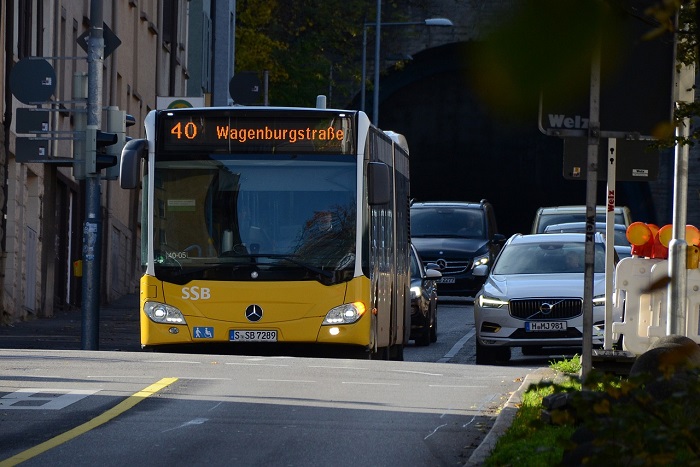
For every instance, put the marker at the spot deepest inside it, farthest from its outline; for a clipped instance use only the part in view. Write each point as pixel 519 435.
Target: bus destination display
pixel 274 134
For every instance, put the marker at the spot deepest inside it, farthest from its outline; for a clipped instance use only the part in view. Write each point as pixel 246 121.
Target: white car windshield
pixel 547 258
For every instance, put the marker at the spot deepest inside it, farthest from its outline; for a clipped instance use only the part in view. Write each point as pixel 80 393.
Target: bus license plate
pixel 545 326
pixel 252 336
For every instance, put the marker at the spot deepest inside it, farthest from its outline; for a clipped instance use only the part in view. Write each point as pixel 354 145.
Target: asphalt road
pixel 117 406
pixel 61 405
pixel 140 408
pixel 456 340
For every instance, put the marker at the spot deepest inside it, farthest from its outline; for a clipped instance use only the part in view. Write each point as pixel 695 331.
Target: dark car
pixel 423 300
pixel 457 236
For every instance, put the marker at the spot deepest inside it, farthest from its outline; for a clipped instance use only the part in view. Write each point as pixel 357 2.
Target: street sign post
pixel 33 80
pixel 32 120
pixel 636 160
pixel 630 97
pixel 111 41
pixel 31 149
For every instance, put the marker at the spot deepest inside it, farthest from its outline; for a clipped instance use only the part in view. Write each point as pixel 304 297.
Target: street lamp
pixel 375 110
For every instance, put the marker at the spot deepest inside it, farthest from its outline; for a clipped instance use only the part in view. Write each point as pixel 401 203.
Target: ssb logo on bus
pixel 196 293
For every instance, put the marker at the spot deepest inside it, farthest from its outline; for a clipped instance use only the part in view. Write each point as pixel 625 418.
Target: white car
pixel 533 296
pixel 622 245
pixel 560 214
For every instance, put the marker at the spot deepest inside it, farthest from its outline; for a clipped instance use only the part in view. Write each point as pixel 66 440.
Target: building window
pixel 24 29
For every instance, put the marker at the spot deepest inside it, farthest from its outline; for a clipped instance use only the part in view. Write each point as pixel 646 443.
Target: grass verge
pixel 645 419
pixel 529 441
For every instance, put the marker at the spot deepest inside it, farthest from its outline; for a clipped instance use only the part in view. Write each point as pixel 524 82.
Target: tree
pixel 309 48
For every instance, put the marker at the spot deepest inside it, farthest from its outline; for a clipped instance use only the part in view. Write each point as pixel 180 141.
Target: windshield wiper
pixel 291 259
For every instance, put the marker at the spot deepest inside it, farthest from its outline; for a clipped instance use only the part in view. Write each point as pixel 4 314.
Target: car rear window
pixel 551 219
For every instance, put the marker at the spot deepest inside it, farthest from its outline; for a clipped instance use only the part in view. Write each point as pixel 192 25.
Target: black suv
pixel 458 236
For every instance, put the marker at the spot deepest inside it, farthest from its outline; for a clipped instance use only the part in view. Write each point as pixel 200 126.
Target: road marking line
pixel 457 347
pixel 118 409
pixel 286 380
pixel 43 398
pixel 256 364
pixel 416 372
pixel 195 421
pixel 370 383
pixel 463 386
pixel 334 367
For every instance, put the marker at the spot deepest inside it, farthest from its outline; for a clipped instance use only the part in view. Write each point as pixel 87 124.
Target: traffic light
pixel 105 143
pixel 116 125
pixel 96 144
pixel 94 149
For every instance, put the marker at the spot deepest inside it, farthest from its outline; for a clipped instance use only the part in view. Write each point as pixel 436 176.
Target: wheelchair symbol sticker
pixel 201 332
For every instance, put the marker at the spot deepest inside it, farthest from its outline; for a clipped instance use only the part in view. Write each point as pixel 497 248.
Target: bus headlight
pixel 162 313
pixel 347 313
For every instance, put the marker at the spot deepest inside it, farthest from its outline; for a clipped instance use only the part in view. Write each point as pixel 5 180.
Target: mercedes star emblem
pixel 253 313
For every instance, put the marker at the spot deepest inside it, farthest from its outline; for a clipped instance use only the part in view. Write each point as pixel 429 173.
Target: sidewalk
pixel 118 321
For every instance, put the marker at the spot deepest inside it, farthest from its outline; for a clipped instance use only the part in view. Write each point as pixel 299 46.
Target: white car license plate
pixel 446 280
pixel 545 326
pixel 252 336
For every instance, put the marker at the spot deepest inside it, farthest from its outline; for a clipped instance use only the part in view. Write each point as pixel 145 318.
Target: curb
pixel 506 416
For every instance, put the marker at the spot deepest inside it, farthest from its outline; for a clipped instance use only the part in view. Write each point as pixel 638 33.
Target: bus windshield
pixel 255 217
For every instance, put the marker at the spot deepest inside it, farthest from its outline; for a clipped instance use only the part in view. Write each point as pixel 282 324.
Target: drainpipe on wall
pixel 10 34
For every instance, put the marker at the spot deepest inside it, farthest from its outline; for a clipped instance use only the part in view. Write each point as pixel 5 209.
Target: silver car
pixel 622 245
pixel 533 296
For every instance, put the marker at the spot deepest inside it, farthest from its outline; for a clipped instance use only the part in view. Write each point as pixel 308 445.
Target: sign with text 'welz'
pixel 254 132
pixel 636 83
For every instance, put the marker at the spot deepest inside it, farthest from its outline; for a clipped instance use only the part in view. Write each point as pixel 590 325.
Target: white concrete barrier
pixel 633 278
pixel 693 316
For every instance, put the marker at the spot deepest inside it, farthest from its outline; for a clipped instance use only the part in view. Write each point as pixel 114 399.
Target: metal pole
pixel 677 247
pixel 92 227
pixel 610 242
pixel 591 184
pixel 266 81
pixel 364 67
pixel 378 33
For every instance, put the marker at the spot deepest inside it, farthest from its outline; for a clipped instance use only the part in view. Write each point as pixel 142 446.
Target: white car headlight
pixel 483 259
pixel 162 313
pixel 490 302
pixel 345 314
pixel 599 300
pixel 415 292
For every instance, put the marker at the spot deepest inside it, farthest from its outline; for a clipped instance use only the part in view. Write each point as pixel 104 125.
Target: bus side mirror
pixel 130 163
pixel 379 183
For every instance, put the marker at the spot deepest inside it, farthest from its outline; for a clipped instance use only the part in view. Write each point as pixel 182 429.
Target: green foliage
pixel 609 421
pixel 256 46
pixel 529 441
pixel 687 33
pixel 569 367
pixel 649 430
pixel 308 48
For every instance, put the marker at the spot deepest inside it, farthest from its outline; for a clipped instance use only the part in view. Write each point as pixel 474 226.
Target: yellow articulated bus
pixel 272 225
